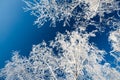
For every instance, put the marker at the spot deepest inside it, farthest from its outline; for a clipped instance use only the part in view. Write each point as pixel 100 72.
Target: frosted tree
pixel 75 59
pixel 81 11
pixel 61 10
pixel 81 60
pixel 70 56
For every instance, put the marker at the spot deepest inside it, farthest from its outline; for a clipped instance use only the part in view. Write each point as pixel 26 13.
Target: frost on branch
pixel 108 5
pixel 56 11
pixel 75 59
pixel 70 56
pixel 115 43
pixel 61 10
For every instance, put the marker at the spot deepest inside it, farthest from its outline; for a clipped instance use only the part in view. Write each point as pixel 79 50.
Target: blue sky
pixel 17 32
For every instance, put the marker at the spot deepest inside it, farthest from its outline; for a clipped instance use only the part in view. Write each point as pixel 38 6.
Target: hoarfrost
pixel 70 55
pixel 60 10
pixel 76 59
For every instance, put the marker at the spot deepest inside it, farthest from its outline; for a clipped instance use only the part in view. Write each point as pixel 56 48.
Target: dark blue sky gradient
pixel 15 29
pixel 17 32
